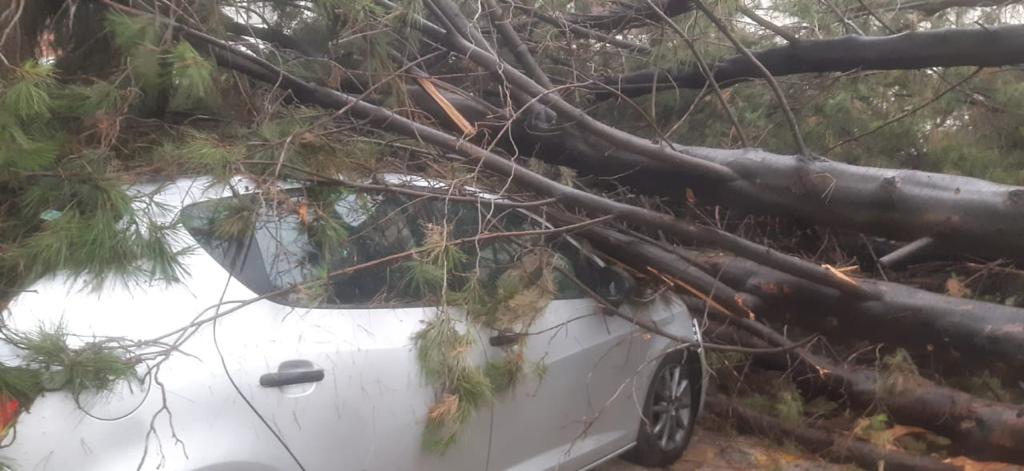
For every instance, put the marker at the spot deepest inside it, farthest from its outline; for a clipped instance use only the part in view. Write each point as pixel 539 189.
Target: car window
pixel 300 238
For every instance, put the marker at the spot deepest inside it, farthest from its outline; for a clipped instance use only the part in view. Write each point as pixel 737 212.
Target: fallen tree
pixel 507 101
pixel 962 214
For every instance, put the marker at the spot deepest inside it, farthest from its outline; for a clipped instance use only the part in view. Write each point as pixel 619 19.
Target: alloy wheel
pixel 670 410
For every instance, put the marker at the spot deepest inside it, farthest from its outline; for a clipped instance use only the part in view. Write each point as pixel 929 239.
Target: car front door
pixel 577 398
pixel 329 364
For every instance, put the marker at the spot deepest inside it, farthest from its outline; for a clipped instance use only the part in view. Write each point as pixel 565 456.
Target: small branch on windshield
pixel 323 178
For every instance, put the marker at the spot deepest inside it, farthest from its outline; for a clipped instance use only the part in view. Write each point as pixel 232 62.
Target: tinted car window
pixel 273 242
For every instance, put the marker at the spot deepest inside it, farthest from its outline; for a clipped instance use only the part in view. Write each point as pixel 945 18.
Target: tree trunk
pixel 958 331
pixel 962 214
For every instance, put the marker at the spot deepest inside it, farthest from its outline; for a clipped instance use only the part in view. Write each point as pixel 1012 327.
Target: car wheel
pixel 670 410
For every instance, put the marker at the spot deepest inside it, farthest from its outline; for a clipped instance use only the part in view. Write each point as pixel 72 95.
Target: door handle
pixel 285 378
pixel 504 339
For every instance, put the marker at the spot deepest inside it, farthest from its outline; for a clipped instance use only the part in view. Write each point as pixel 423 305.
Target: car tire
pixel 670 410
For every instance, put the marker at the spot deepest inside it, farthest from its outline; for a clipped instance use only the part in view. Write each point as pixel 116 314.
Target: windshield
pixel 334 246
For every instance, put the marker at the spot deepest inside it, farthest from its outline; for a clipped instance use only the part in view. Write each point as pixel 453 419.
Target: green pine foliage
pixel 97 233
pixel 21 383
pixel 139 39
pixel 28 139
pixel 86 101
pixel 442 353
pixel 199 153
pixel 193 78
pixel 503 373
pixel 55 365
pixel 29 97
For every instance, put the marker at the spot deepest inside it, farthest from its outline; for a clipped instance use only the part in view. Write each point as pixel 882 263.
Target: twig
pixel 768 25
pixel 905 113
pixel 703 66
pixel 322 178
pixel 876 17
pixel 846 21
pixel 774 85
pixel 13 22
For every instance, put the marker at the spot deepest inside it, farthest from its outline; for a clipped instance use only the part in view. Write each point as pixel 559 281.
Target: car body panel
pixel 369 410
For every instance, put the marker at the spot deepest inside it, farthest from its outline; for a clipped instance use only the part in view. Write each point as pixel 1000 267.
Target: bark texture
pixel 961 330
pixel 961 213
pixel 978 47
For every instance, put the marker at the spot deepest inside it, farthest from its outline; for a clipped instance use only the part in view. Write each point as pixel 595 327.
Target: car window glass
pixel 327 245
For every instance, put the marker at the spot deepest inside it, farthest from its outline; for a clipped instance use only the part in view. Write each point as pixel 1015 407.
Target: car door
pixel 578 399
pixel 340 386
pixel 363 403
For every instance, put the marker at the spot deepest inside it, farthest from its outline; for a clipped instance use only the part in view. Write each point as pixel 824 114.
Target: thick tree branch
pixel 981 428
pixel 931 7
pixel 501 21
pixel 271 35
pixel 569 113
pixel 577 30
pixel 623 16
pixel 981 47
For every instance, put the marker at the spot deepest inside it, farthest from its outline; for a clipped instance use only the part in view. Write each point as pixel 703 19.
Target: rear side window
pixel 335 247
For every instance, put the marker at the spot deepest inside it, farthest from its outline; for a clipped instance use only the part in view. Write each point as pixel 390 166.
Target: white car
pixel 329 379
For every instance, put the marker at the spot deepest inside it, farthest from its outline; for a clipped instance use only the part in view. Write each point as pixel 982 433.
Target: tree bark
pixel 978 47
pixel 623 16
pixel 961 331
pixel 931 7
pixel 961 214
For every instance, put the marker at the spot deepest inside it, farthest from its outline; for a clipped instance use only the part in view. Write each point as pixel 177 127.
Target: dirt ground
pixel 716 451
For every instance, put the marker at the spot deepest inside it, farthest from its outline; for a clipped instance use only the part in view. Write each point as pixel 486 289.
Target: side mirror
pixel 615 285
